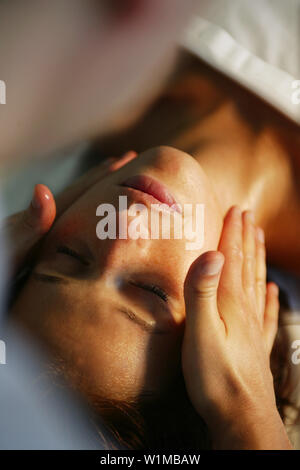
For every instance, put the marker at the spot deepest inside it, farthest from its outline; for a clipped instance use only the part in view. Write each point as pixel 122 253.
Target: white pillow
pixel 256 43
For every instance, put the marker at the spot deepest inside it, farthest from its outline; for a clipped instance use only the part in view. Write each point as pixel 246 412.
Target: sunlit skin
pixel 90 328
pixel 116 338
pixel 249 152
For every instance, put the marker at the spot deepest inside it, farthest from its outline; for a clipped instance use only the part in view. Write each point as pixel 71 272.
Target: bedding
pixel 257 44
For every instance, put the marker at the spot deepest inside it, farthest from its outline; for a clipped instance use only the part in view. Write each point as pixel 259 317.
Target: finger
pixel 261 274
pixel 40 215
pixel 201 290
pixel 126 158
pixel 271 315
pixel 249 246
pixel 231 245
pixel 23 230
pixel 93 176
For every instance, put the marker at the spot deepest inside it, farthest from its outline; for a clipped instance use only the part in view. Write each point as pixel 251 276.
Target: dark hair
pixel 169 421
pixel 155 422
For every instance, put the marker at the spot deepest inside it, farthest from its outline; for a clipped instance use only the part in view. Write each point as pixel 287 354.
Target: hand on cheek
pixel 231 323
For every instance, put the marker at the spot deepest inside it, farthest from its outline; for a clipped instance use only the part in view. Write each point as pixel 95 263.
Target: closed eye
pixel 152 288
pixel 69 252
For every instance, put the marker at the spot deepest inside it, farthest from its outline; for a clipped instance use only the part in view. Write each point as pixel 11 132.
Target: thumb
pixel 201 290
pixel 24 229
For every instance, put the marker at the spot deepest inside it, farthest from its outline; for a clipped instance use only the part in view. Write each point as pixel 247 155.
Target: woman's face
pixel 113 310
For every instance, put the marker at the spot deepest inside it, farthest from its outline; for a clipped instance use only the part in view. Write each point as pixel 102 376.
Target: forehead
pixel 96 341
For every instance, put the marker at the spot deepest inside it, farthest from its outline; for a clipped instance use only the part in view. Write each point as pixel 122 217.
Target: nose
pixel 116 253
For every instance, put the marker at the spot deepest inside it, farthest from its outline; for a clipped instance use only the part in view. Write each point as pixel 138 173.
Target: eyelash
pixel 152 288
pixel 149 287
pixel 67 251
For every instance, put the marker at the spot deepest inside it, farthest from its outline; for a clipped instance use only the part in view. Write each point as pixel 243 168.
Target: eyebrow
pixel 146 326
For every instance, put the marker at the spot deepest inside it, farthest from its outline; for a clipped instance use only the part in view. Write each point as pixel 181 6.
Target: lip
pixel 155 189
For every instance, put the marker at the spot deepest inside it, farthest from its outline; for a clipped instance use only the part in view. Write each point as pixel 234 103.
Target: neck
pixel 234 138
pixel 243 146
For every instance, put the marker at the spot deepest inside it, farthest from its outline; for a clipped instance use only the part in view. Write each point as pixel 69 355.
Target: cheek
pixel 212 229
pixel 73 222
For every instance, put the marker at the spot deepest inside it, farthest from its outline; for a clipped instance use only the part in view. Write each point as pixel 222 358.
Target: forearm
pixel 251 431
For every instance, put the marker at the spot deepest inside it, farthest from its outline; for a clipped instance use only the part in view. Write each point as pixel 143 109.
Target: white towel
pixel 255 43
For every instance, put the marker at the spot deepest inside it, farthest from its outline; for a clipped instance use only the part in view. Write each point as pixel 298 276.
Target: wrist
pixel 250 429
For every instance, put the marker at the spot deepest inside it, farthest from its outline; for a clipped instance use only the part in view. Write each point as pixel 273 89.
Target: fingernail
pixel 236 211
pixel 35 202
pixel 275 289
pixel 211 267
pixel 261 235
pixel 131 152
